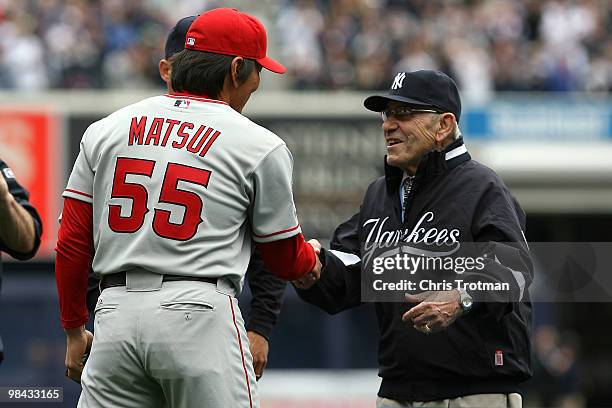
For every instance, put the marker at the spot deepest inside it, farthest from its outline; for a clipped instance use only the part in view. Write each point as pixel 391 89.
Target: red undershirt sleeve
pixel 289 258
pixel 73 260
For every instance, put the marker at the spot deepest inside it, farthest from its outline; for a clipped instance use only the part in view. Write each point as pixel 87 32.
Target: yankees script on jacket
pixel 485 351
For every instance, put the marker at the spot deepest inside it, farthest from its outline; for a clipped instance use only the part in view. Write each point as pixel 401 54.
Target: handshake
pixel 306 281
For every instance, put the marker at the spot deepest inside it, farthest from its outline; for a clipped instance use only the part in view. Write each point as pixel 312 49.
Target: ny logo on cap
pixel 190 41
pixel 399 79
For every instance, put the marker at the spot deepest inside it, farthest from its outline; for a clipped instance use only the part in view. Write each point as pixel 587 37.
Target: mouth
pixel 392 141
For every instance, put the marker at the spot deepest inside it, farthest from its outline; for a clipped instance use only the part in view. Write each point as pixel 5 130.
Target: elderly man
pixel 456 347
pixel 20 225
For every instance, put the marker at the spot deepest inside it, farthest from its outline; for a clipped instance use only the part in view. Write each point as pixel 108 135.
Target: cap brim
pixel 378 103
pixel 272 65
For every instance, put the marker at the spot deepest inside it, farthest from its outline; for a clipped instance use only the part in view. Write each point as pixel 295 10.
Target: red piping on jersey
pixel 194 97
pixel 278 232
pixel 246 375
pixel 78 192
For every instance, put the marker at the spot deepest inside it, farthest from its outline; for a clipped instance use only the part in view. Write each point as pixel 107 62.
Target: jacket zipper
pixel 407 197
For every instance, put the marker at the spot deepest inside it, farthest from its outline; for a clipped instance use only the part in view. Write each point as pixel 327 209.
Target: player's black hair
pixel 203 73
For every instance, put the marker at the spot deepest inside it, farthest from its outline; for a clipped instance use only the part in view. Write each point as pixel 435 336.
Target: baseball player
pixel 163 201
pixel 20 224
pixel 266 289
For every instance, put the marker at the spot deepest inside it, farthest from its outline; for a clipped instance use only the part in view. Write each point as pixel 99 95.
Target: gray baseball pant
pixel 169 344
pixel 513 400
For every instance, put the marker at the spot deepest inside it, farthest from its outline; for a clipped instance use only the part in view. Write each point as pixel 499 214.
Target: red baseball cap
pixel 230 32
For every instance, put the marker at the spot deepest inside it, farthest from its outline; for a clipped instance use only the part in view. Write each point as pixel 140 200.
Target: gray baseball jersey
pixel 180 185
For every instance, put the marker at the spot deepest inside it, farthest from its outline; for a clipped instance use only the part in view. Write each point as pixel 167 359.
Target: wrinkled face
pixel 242 93
pixel 408 137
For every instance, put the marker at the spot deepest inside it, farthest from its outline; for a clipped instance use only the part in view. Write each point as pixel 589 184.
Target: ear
pixel 165 72
pixel 444 128
pixel 235 67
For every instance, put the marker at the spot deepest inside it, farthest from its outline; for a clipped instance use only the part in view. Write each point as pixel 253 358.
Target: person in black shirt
pixel 20 224
pixel 453 347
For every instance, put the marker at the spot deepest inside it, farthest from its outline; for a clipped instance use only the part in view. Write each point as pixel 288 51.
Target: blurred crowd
pixel 486 45
pixel 85 43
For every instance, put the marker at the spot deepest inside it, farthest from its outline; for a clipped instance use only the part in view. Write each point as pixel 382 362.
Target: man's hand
pixel 16 224
pixel 306 281
pixel 435 311
pixel 78 344
pixel 316 245
pixel 5 196
pixel 4 191
pixel 259 350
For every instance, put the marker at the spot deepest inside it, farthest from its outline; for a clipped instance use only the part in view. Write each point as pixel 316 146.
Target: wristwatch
pixel 465 300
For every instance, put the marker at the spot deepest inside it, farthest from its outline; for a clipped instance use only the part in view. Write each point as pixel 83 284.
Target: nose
pixel 389 125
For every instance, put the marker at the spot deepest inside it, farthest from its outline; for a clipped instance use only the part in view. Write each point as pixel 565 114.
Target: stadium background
pixel 535 77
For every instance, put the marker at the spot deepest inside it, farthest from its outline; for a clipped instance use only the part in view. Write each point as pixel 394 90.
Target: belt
pixel 118 279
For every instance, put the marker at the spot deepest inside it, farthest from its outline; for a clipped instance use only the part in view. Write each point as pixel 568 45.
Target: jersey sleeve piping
pixel 278 232
pixel 78 195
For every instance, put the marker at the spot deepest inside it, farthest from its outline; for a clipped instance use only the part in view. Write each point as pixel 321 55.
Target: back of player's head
pixel 231 32
pixel 203 73
pixel 213 40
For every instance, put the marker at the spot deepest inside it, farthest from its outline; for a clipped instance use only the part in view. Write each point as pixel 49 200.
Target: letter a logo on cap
pixel 191 41
pixel 399 79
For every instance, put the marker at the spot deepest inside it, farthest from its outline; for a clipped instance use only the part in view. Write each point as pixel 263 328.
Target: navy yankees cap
pixel 176 38
pixel 425 88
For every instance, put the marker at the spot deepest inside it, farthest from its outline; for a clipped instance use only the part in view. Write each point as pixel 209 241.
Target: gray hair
pixel 456 132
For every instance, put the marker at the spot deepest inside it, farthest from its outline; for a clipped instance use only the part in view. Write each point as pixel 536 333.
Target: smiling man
pixel 447 348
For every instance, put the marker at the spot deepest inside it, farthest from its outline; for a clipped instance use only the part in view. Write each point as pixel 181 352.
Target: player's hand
pixel 306 281
pixel 435 310
pixel 316 245
pixel 78 344
pixel 259 350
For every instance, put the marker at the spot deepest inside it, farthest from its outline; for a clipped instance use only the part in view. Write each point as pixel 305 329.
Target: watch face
pixel 467 303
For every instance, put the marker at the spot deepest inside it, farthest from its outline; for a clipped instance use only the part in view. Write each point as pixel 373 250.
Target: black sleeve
pixel 93 291
pixel 22 197
pixel 498 227
pixel 339 287
pixel 267 291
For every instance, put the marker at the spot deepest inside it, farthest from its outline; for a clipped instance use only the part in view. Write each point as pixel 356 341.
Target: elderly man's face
pixel 408 137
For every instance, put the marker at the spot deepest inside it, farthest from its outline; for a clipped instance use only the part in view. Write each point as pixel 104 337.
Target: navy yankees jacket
pixel 453 200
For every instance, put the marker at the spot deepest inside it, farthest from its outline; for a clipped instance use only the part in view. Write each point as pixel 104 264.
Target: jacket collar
pixel 432 164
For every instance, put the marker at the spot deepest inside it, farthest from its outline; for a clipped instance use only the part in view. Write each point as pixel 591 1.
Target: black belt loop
pixel 118 279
